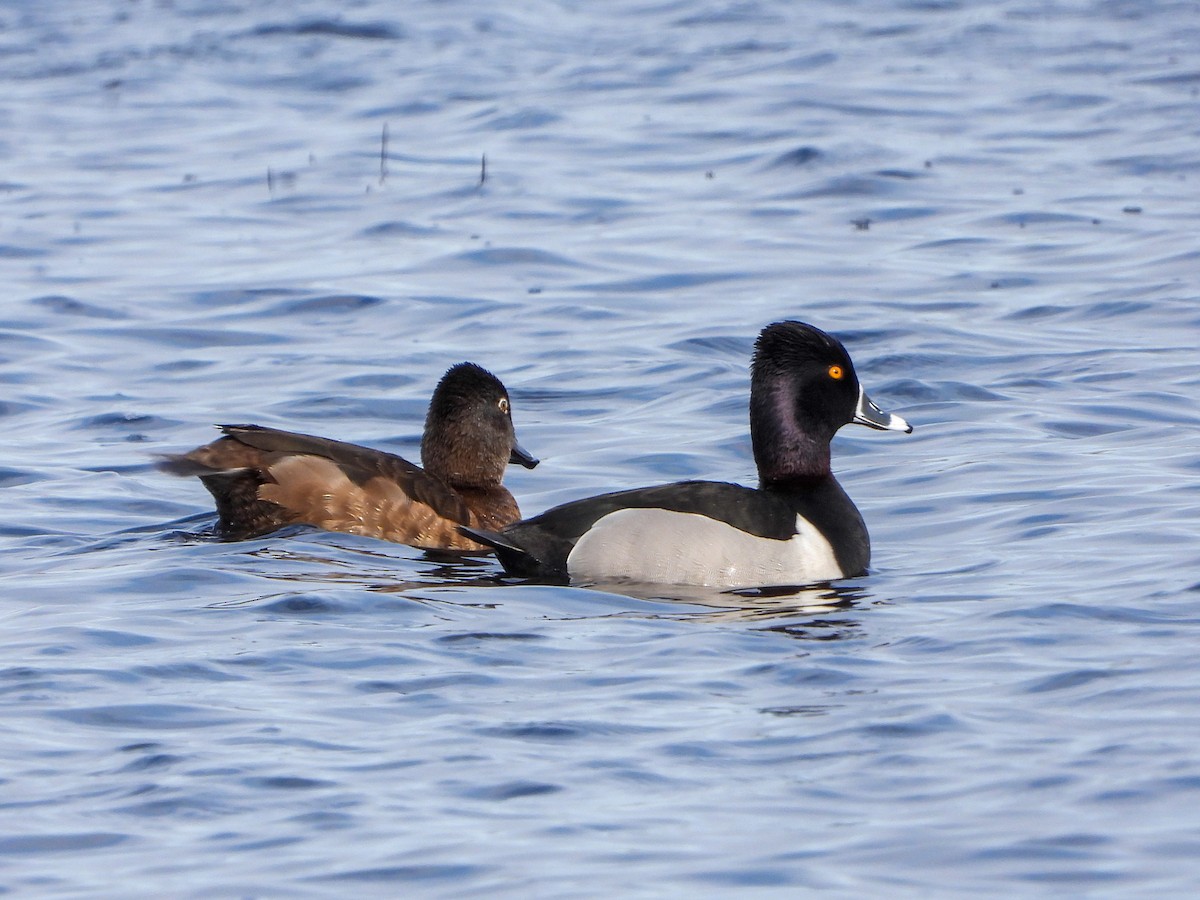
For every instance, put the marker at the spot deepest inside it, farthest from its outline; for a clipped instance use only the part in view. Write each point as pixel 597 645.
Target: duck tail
pixel 181 464
pixel 517 559
pixel 492 539
pixel 241 513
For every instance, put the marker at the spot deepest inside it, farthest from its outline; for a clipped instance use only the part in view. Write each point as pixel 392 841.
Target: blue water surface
pixel 300 214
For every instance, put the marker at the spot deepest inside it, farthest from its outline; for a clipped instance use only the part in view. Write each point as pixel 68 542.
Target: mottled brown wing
pixel 264 478
pixel 386 473
pixel 321 492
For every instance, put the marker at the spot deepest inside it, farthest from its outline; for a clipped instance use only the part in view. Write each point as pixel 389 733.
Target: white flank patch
pixel 664 547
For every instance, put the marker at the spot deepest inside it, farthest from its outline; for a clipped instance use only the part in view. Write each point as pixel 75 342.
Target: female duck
pixel 797 527
pixel 263 478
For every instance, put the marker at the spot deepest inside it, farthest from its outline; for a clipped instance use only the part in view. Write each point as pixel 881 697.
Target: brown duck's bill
pixel 522 457
pixel 867 413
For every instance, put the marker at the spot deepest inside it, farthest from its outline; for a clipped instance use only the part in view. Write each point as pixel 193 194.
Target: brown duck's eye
pixel 837 373
pixel 503 404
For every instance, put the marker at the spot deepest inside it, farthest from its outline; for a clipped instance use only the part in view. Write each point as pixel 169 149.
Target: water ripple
pixel 153 716
pixel 59 843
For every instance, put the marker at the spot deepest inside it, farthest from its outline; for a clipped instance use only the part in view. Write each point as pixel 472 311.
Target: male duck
pixel 263 478
pixel 797 527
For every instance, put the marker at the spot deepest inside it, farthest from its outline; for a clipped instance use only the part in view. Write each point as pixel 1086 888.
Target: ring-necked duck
pixel 263 478
pixel 797 527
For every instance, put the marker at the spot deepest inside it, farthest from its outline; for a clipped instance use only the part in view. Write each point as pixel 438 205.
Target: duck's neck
pixel 788 449
pixel 456 465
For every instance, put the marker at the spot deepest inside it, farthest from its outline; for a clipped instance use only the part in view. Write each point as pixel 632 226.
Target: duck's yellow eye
pixel 836 373
pixel 503 404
